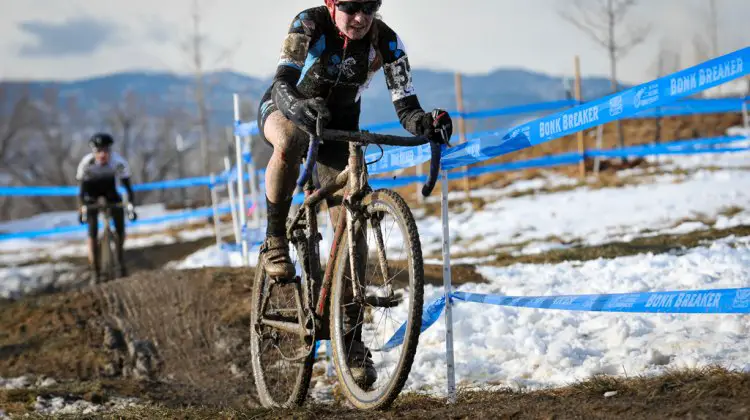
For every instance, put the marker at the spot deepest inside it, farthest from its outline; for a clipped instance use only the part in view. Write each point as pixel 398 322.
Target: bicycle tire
pixel 114 251
pixel 391 202
pixel 301 374
pixel 106 256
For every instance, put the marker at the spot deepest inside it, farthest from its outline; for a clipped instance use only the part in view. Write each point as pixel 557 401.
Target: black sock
pixel 277 214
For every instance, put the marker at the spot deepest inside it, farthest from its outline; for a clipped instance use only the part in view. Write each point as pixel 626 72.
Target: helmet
pixel 101 140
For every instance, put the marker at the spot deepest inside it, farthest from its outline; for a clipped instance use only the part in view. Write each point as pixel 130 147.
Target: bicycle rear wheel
pixel 282 361
pixel 389 260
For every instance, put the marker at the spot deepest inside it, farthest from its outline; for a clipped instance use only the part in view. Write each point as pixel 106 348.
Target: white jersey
pixel 89 170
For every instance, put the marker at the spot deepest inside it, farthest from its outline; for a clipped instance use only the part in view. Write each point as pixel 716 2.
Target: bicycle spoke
pixel 393 294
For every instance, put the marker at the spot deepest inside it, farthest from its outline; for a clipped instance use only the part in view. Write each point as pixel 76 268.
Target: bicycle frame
pixel 353 180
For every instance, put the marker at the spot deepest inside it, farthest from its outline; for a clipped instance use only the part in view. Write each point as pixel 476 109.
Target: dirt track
pixel 188 332
pixel 197 319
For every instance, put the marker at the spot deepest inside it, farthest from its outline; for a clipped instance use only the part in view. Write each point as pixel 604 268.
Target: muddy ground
pixel 177 341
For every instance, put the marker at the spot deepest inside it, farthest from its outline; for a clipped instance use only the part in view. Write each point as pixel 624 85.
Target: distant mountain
pixel 162 92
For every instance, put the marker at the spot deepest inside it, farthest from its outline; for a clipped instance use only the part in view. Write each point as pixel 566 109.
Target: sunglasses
pixel 354 7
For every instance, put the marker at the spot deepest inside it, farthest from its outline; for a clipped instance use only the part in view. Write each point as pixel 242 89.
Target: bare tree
pixel 601 20
pixel 197 48
pixel 127 119
pixel 197 52
pixel 49 155
pixel 17 117
pixel 667 62
pixel 147 140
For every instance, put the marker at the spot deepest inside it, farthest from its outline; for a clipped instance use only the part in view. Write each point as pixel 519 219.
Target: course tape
pixel 710 301
pixel 488 113
pixel 660 92
pixel 197 213
pixel 430 314
pixel 699 146
pixel 246 129
pixel 63 191
pixel 713 301
pixel 694 106
pixel 646 152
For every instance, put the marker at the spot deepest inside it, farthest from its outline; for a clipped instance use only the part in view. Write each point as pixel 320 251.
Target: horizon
pixel 156 72
pixel 42 40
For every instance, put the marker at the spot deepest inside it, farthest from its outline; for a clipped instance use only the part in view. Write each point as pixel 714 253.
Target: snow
pixel 18 281
pixel 20 251
pixel 595 216
pixel 56 405
pixel 530 348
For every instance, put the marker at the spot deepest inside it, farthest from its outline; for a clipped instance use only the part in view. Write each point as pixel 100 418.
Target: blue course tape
pixel 246 129
pixel 711 301
pixel 397 158
pixel 555 160
pixel 512 110
pixel 646 152
pixel 64 191
pixel 202 181
pixel 694 106
pixel 692 143
pixel 430 314
pixel 660 92
pixel 715 301
pixel 683 147
pixel 38 191
pixel 144 222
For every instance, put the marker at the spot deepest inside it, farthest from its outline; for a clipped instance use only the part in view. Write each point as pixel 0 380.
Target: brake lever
pixel 436 155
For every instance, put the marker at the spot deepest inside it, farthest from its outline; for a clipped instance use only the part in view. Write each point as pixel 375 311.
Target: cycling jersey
pixel 314 58
pixel 101 180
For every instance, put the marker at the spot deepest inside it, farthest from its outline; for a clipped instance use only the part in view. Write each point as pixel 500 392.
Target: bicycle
pixel 108 241
pixel 288 314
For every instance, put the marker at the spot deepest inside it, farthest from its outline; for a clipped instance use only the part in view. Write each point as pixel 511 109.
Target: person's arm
pixel 129 188
pixel 123 172
pixel 398 78
pixel 287 98
pixel 81 177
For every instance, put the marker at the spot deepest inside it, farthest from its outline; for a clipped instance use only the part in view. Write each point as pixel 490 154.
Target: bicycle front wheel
pixel 373 355
pixel 282 360
pixel 108 252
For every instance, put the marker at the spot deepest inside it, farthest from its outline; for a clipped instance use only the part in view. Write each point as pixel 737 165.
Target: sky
pixel 74 39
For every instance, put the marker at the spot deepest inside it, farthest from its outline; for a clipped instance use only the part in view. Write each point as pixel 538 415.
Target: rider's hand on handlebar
pixel 437 126
pixel 132 215
pixel 306 112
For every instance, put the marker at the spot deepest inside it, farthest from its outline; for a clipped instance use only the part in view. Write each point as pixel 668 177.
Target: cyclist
pixel 328 58
pixel 97 174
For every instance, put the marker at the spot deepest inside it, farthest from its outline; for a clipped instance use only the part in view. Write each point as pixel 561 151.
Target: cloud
pixel 77 36
pixel 156 30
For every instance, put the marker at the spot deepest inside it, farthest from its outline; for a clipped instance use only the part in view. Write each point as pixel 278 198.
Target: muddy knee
pixel 285 137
